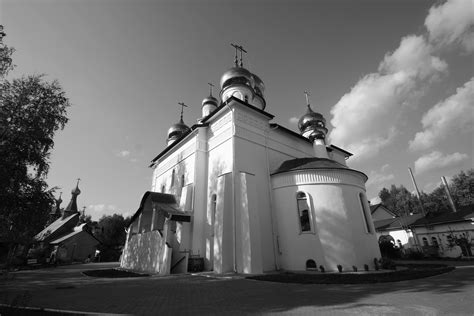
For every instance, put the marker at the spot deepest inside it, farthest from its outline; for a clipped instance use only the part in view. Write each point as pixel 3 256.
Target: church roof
pixel 374 207
pixel 204 123
pixel 165 202
pixel 55 226
pixel 310 163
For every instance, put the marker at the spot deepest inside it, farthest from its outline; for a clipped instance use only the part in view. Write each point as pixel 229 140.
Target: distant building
pixel 242 194
pixel 445 235
pixel 65 239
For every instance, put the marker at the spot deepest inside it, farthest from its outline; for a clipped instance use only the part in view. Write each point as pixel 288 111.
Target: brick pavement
pixel 66 288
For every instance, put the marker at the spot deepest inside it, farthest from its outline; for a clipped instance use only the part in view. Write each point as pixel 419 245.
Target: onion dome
pixel 237 75
pixel 210 100
pixel 76 190
pixel 259 86
pixel 313 125
pixel 177 130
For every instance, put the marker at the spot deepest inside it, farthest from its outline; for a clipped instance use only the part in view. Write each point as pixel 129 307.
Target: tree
pixel 112 236
pixel 399 200
pixel 31 111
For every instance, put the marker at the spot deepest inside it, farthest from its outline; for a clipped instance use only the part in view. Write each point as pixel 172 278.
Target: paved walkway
pixel 67 288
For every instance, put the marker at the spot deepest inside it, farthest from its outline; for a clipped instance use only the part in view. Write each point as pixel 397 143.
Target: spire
pixel 72 206
pixel 306 93
pixel 182 107
pixel 238 48
pixel 210 88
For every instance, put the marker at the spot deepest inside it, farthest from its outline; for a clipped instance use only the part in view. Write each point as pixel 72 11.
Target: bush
pixel 339 268
pixel 321 268
pixel 388 250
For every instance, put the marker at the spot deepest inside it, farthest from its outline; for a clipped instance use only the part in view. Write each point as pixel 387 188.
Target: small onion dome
pixel 313 122
pixel 177 130
pixel 210 100
pixel 259 86
pixel 76 190
pixel 237 75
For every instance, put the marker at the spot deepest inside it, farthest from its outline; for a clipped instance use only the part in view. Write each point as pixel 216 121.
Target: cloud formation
pixel 452 23
pixel 365 119
pixel 98 210
pixel 456 113
pixel 437 160
pixel 377 178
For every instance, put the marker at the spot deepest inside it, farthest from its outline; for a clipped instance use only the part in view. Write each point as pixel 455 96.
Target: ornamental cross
pixel 242 50
pixel 182 106
pixel 210 88
pixel 78 179
pixel 306 93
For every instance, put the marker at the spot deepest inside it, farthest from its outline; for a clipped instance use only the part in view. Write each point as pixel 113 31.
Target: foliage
pixel 402 202
pixel 31 111
pixel 112 236
pixel 5 56
pixel 399 200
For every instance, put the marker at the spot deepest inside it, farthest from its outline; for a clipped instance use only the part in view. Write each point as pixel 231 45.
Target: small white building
pixel 250 195
pixel 445 235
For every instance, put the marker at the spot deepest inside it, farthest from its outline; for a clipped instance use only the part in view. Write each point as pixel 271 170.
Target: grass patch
pixel 113 273
pixel 413 272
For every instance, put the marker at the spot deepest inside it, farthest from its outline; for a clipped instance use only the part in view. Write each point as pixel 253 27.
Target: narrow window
pixel 425 241
pixel 172 178
pixel 303 212
pixel 246 98
pixel 213 210
pixel 182 180
pixel 163 188
pixel 364 213
pixel 434 242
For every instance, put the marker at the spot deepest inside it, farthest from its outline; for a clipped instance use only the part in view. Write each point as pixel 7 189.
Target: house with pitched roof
pixel 66 239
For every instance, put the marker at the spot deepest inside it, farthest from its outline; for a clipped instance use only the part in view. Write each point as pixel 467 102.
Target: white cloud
pixel 454 114
pixel 437 160
pixel 98 210
pixel 413 58
pixel 452 23
pixel 124 153
pixel 365 119
pixel 376 178
pixel 375 200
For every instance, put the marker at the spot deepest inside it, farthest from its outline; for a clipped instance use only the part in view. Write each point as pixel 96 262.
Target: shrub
pixel 366 267
pixel 339 268
pixel 321 268
pixel 354 268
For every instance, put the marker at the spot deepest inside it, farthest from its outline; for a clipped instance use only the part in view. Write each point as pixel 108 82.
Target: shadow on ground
pixel 198 294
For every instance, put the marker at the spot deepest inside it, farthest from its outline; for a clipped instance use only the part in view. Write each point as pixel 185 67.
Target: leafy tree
pixel 112 236
pixel 31 111
pixel 399 200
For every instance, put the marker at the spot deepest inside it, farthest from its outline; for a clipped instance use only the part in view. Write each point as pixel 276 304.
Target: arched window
pixel 365 213
pixel 311 264
pixel 172 178
pixel 425 241
pixel 303 212
pixel 163 188
pixel 434 242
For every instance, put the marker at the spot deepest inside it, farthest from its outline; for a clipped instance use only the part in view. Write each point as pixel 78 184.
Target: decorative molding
pixel 176 158
pixel 220 138
pixel 251 120
pixel 318 176
pixel 217 125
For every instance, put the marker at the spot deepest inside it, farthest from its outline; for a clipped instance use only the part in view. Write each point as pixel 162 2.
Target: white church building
pixel 238 193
